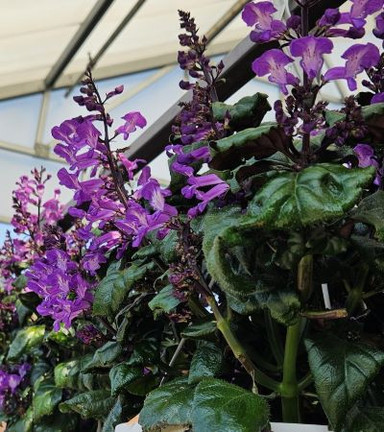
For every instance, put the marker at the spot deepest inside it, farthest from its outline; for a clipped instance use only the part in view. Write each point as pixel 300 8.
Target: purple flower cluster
pixel 31 221
pixel 366 157
pixel 13 380
pixel 195 123
pixel 58 280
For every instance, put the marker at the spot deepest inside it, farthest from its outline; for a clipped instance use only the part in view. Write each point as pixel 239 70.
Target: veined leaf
pixel 93 404
pixel 25 341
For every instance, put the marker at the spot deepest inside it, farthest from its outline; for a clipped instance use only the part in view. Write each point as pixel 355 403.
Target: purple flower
pixel 260 15
pixel 378 98
pixel 273 62
pixel 379 30
pixel 362 8
pixel 359 57
pixel 311 50
pixel 132 120
pixel 198 188
pixel 366 156
pixel 330 18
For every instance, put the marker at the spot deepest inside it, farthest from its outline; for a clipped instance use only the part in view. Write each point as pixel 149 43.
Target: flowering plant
pixel 248 290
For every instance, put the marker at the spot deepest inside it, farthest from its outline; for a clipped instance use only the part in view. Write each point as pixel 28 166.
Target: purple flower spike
pixel 260 15
pixel 272 62
pixel 359 57
pixel 311 50
pixel 132 120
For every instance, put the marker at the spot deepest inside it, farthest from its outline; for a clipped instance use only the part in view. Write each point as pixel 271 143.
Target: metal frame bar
pixel 109 41
pixel 77 41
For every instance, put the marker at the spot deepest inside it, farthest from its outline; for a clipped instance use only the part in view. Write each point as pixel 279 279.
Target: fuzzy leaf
pixel 260 142
pixel 170 404
pixel 122 375
pixel 164 301
pixel 248 112
pixel 25 341
pixel 115 417
pixel 224 407
pixel 46 397
pixel 103 357
pixel 206 362
pixel 316 194
pixel 367 419
pixel 68 374
pixel 199 330
pixel 342 371
pixel 370 211
pixel 93 404
pixel 111 291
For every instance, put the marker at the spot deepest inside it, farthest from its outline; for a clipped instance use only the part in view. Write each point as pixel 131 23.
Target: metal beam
pixel 109 41
pixel 17 148
pixel 77 41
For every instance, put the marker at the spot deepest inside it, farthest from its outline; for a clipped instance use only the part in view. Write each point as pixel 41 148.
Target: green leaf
pixel 170 405
pixel 143 385
pixel 165 247
pixel 123 374
pixel 39 369
pixel 115 417
pixel 333 116
pixel 164 301
pixel 342 371
pixel 25 341
pixel 103 357
pixel 145 352
pixel 316 194
pixel 112 290
pixel 30 300
pixel 93 404
pixel 372 110
pixel 20 282
pixel 370 211
pixel 260 142
pixel 206 362
pixel 57 423
pixel 367 419
pixel 46 397
pixel 24 424
pixel 213 405
pixel 249 111
pixel 68 374
pixel 22 312
pixel 219 406
pixel 199 330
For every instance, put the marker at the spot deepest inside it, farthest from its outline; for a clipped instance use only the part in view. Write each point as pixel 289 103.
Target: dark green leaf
pixel 112 290
pixel 57 423
pixel 94 404
pixel 143 385
pixel 103 357
pixel 367 419
pixel 224 407
pixel 22 312
pixel 24 424
pixel 260 142
pixel 46 397
pixel 206 362
pixel 115 417
pixel 25 341
pixel 39 369
pixel 342 371
pixel 144 353
pixel 333 116
pixel 165 247
pixel 249 111
pixel 170 404
pixel 316 194
pixel 68 374
pixel 30 300
pixel 199 330
pixel 123 374
pixel 370 211
pixel 164 301
pixel 21 282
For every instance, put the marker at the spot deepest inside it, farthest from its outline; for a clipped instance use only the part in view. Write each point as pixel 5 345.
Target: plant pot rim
pixel 133 426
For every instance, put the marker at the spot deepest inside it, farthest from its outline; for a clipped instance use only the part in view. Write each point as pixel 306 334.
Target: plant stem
pixel 273 338
pixel 239 351
pixel 356 293
pixel 289 388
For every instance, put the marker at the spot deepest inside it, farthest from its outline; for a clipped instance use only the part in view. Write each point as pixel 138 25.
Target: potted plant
pixel 245 294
